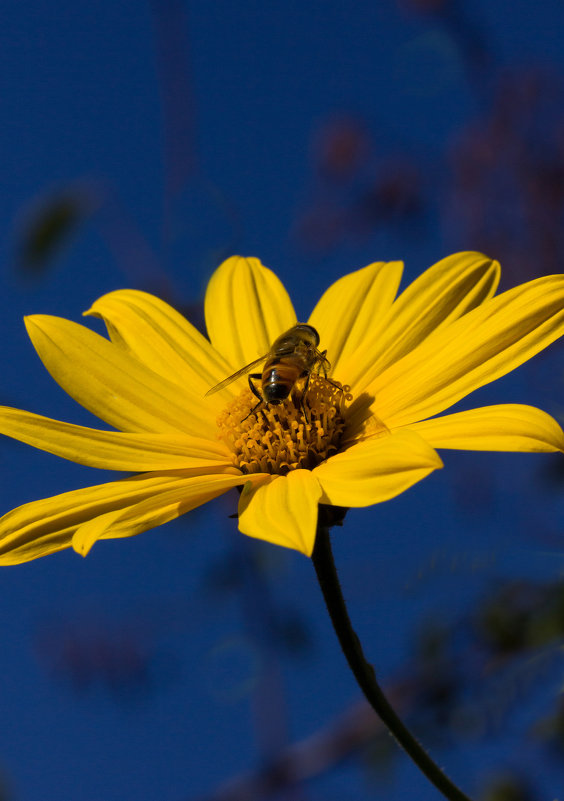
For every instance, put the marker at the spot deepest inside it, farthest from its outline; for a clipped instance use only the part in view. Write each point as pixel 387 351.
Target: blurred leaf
pixel 47 228
pixel 508 788
pixel 522 616
pixel 550 730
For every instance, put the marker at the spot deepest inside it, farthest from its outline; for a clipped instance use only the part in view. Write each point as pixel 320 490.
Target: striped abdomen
pixel 279 377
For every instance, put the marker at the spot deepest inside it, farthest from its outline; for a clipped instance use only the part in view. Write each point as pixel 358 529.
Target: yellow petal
pixel 282 511
pixel 485 344
pixel 349 313
pixel 112 450
pixel 507 427
pixel 376 469
pixel 443 293
pixel 175 499
pixel 161 338
pixel 113 385
pixel 45 526
pixel 246 308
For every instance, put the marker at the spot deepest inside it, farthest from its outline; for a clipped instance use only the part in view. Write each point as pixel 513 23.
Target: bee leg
pixel 255 392
pixel 334 384
pixel 304 393
pixel 325 365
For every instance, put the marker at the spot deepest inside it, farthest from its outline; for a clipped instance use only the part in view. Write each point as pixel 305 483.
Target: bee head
pixel 308 332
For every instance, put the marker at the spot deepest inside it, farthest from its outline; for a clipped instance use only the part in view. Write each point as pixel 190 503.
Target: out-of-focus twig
pixel 309 757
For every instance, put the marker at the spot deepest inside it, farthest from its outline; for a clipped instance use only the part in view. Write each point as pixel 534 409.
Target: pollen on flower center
pixel 277 439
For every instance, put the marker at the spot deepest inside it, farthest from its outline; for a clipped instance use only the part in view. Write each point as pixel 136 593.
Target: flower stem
pixel 324 564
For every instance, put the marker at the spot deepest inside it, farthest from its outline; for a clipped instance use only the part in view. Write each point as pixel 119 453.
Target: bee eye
pixel 312 331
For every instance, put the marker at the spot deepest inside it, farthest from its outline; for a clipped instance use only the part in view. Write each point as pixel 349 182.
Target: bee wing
pixel 243 371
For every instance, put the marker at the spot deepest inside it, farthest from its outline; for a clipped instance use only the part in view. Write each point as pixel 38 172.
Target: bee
pixel 293 355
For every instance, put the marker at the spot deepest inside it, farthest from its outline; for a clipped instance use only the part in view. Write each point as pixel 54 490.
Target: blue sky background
pixel 318 137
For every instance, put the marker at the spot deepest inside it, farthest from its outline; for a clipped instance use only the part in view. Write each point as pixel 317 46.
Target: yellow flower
pixel 402 361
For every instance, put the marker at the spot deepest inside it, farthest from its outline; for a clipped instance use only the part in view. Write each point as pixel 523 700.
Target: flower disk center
pixel 277 439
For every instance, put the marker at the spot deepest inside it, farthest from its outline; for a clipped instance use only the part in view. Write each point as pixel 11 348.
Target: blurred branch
pixel 311 756
pixel 453 686
pixel 177 94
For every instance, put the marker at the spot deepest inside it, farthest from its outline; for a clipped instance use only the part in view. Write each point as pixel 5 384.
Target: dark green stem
pixel 324 564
